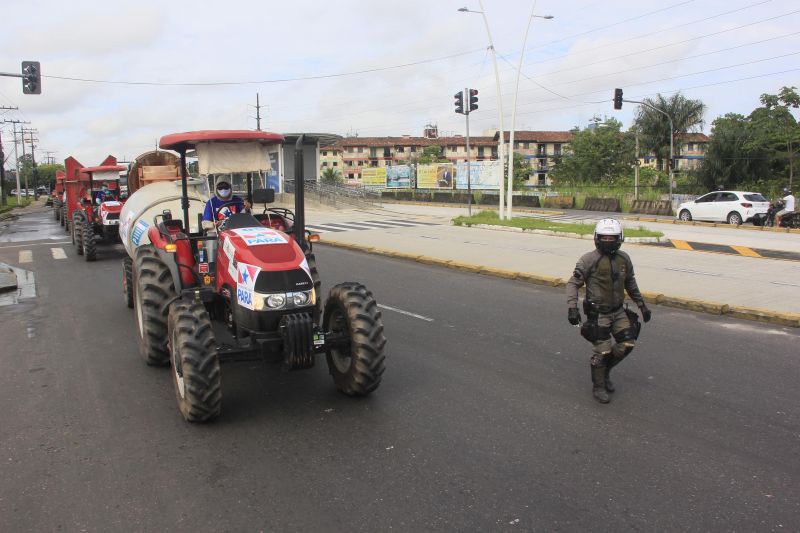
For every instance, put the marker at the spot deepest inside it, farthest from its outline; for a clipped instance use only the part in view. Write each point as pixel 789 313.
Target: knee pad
pixel 599 359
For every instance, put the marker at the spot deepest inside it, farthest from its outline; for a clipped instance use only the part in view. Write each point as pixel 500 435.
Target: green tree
pixel 601 155
pixel 777 131
pixel 733 155
pixel 522 171
pixel 686 114
pixel 430 154
pixel 331 176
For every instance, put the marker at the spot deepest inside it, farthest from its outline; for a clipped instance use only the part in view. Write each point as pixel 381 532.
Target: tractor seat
pixel 241 220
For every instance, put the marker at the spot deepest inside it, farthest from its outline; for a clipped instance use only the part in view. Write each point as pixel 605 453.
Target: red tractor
pixel 57 196
pixel 96 218
pixel 245 288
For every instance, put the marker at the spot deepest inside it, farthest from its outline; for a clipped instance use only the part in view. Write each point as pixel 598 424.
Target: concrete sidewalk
pixel 743 287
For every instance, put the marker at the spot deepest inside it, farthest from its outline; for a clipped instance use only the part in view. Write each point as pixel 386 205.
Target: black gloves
pixel 574 316
pixel 646 314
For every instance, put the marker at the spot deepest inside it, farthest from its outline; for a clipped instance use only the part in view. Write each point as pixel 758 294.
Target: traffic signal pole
pixel 469 181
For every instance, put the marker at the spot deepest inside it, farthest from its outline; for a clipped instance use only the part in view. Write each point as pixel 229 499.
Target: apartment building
pixel 541 149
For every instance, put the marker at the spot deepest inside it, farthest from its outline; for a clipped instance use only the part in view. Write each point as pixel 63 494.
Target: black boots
pixel 599 385
pixel 609 385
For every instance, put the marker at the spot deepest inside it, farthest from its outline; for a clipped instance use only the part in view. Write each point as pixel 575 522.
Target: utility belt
pixel 593 309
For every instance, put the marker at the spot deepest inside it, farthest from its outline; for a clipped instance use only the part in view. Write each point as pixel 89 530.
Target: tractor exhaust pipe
pixel 299 194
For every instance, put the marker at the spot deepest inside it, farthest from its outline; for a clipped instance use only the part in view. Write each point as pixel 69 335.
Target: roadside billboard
pixel 374 177
pixel 486 175
pixel 436 176
pixel 398 177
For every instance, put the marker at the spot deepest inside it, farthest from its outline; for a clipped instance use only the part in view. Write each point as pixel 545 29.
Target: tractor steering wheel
pixel 222 222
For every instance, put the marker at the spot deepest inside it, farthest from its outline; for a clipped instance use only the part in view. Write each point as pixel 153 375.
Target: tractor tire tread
pixel 154 281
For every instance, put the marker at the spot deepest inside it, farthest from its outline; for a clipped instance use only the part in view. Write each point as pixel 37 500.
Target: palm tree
pixel 331 176
pixel 686 114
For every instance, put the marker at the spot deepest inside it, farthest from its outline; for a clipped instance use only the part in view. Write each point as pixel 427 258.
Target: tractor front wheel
pixel 77 234
pixel 352 311
pixel 153 289
pixel 195 364
pixel 88 242
pixel 127 281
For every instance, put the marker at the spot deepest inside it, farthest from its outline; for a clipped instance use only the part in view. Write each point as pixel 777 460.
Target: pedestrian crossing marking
pixel 359 225
pixel 58 253
pixel 25 256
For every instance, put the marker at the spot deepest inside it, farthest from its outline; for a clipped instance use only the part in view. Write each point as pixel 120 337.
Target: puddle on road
pixel 26 287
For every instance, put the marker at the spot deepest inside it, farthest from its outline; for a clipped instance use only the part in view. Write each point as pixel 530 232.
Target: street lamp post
pixel 510 176
pixel 500 154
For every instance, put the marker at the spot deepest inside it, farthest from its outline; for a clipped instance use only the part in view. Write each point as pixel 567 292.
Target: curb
pixel 484 207
pixel 700 306
pixel 712 224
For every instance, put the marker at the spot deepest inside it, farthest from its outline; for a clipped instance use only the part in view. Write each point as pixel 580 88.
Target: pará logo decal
pixel 259 236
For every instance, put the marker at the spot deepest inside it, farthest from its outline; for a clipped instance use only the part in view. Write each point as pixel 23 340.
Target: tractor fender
pixel 181 277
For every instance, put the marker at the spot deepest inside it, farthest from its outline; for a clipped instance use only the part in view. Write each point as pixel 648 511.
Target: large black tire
pixel 77 234
pixel 352 310
pixel 56 214
pixel 88 242
pixel 65 219
pixel 127 281
pixel 312 267
pixel 153 289
pixel 195 363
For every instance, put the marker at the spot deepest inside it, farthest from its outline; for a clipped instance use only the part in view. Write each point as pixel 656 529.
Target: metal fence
pixel 338 195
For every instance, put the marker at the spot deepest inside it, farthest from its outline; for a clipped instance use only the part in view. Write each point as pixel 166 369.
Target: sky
pixel 118 75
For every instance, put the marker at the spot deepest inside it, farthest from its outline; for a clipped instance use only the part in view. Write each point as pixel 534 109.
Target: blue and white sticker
pixel 244 296
pixel 139 231
pixel 259 236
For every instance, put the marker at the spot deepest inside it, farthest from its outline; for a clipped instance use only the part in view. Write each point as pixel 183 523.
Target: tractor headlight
pixel 275 301
pixel 301 298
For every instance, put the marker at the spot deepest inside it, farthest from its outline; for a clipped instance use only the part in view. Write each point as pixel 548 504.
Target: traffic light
pixel 473 99
pixel 617 98
pixel 31 78
pixel 459 96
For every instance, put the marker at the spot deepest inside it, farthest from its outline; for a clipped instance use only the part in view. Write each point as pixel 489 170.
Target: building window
pixel 480 151
pixel 556 149
pixel 324 153
pixel 335 164
pixel 413 148
pixel 691 147
pixel 360 149
pixel 525 145
pixel 541 149
pixel 374 163
pixel 401 149
pixel 540 178
pixel 351 176
pixel 361 163
pixel 349 163
pixel 324 163
pixel 349 149
pixel 387 153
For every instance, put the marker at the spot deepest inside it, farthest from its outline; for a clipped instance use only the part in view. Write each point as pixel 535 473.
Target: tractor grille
pixel 112 216
pixel 297 332
pixel 283 281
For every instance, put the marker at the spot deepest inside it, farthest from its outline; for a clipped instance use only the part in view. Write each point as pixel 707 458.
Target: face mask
pixel 224 192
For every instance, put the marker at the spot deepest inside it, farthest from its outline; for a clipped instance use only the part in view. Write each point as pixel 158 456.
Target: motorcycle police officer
pixel 607 273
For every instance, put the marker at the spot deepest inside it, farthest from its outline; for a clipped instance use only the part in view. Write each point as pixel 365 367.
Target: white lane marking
pixel 784 283
pixel 693 271
pixel 34 244
pixel 25 256
pixel 58 253
pixel 414 315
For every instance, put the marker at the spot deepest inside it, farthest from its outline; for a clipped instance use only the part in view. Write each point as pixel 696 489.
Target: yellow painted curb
pixel 433 261
pixel 766 315
pixel 541 280
pixel 458 265
pixel 499 272
pixel 700 306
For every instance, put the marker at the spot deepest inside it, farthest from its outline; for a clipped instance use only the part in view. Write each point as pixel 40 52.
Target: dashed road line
pixel 688 271
pixel 407 313
pixel 25 256
pixel 58 253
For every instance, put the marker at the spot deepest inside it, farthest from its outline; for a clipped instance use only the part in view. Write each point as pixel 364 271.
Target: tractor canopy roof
pixel 190 139
pixel 104 168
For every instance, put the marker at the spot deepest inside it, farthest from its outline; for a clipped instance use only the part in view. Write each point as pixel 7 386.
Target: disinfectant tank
pixel 142 206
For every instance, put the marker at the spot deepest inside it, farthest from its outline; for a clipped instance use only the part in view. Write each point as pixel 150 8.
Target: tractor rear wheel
pixel 77 234
pixel 65 219
pixel 195 363
pixel 55 213
pixel 352 310
pixel 88 242
pixel 127 281
pixel 153 289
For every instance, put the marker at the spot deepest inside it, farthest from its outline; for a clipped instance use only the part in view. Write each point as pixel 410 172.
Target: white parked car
pixel 733 207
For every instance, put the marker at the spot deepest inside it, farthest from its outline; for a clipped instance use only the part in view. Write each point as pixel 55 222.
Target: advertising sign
pixel 436 176
pixel 374 177
pixel 398 177
pixel 486 175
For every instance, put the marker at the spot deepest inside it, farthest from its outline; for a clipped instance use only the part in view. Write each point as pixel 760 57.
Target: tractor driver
pixel 223 194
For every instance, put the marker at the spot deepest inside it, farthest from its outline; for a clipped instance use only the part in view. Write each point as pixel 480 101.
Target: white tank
pixel 151 200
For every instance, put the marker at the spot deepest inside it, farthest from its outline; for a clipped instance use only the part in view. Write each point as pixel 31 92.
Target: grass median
pixel 491 218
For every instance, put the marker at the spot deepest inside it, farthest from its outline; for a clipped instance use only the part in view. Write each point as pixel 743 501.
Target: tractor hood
pixel 264 260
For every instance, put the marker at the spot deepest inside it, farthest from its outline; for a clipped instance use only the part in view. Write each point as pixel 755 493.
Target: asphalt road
pixel 484 420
